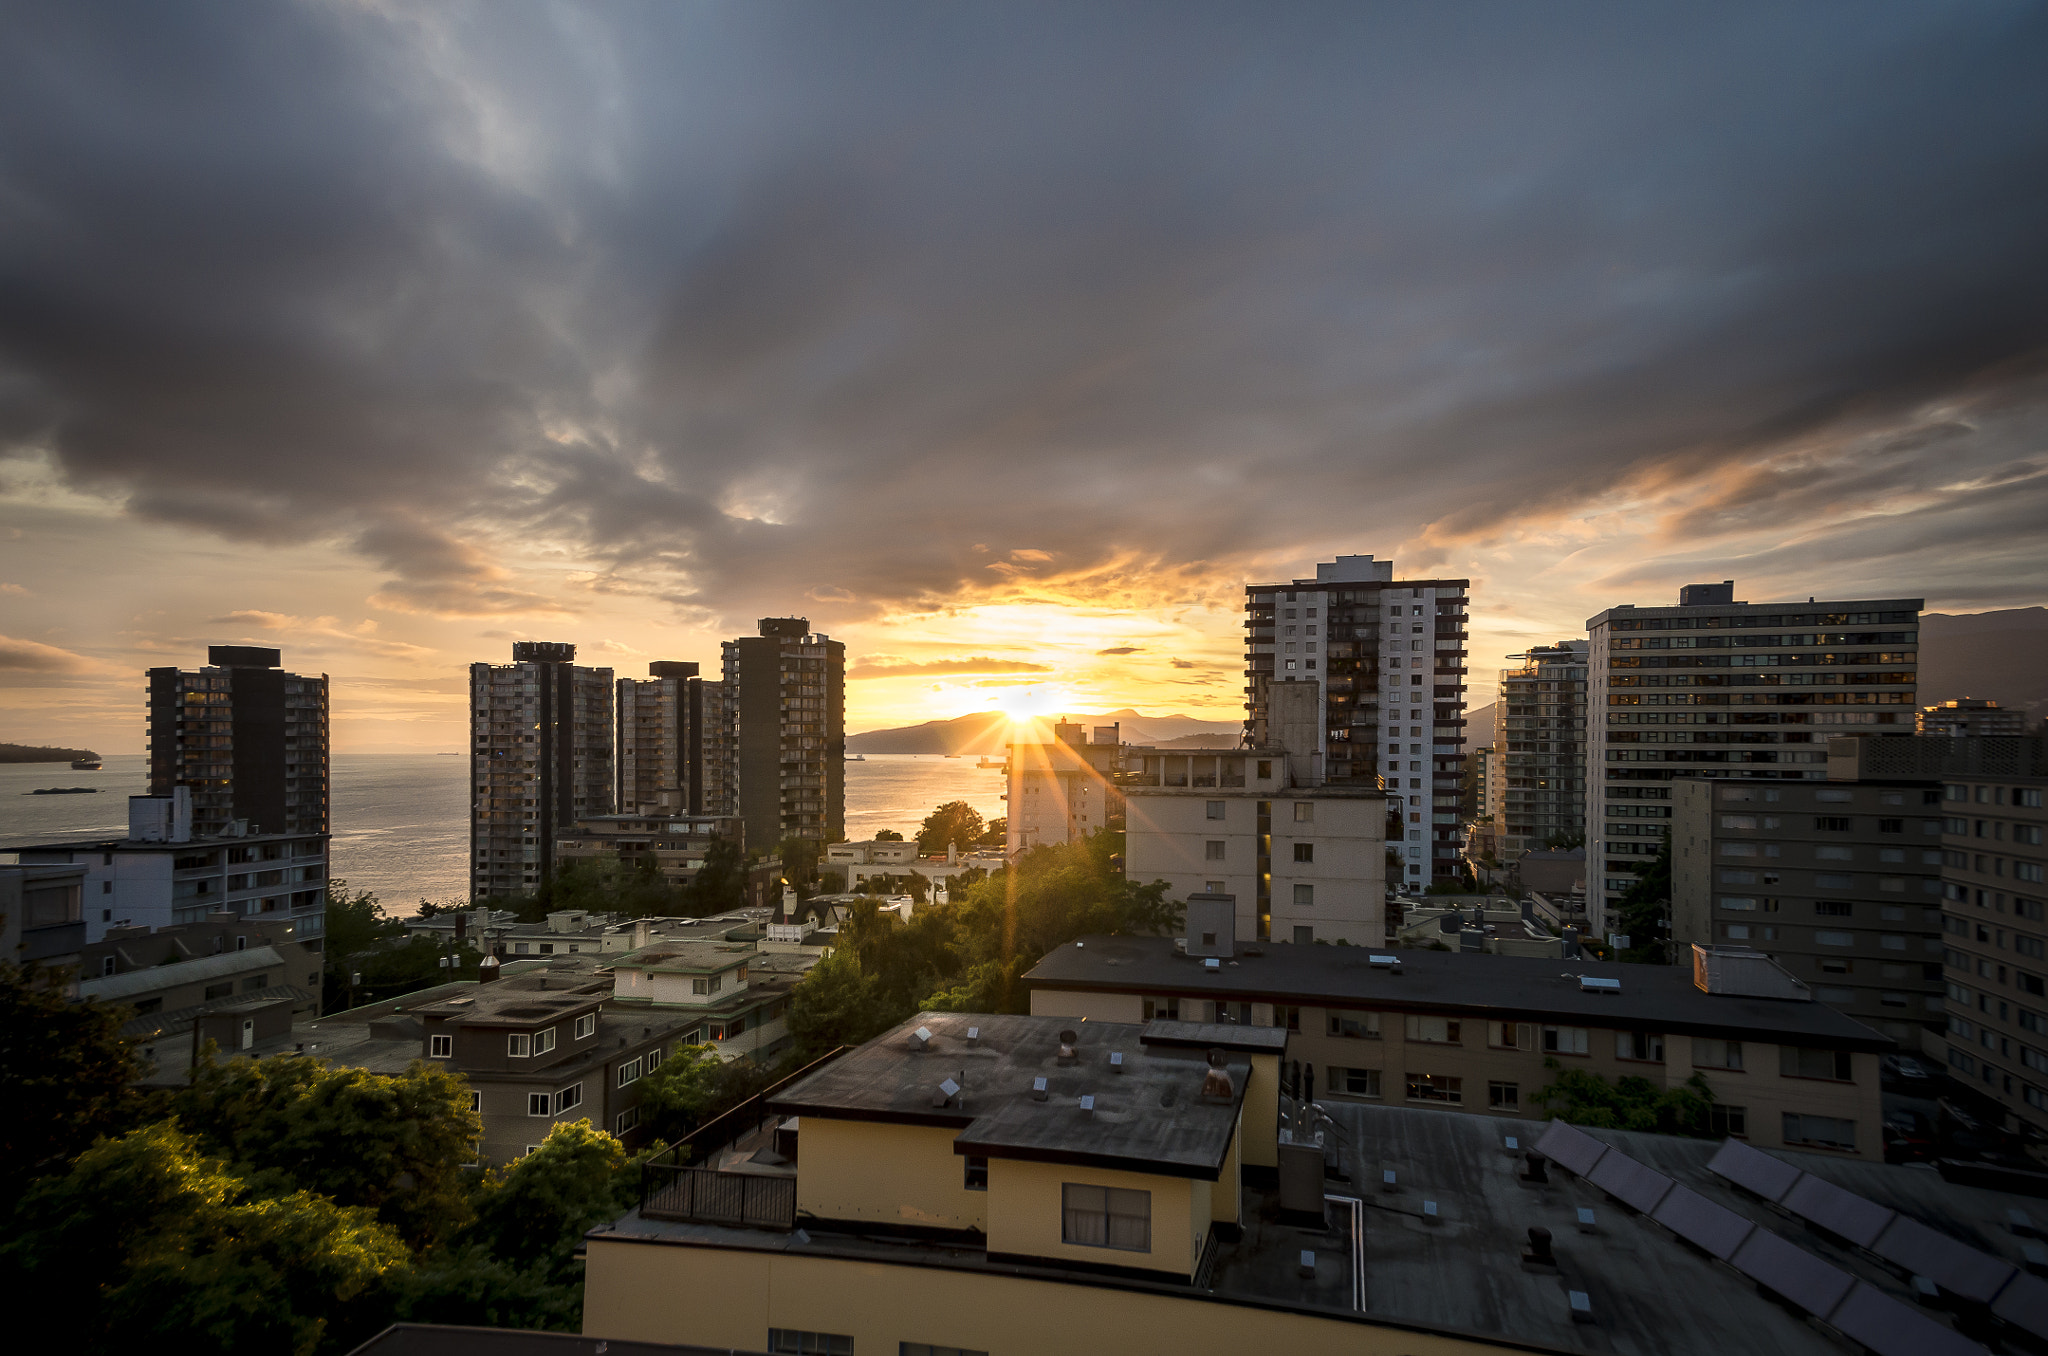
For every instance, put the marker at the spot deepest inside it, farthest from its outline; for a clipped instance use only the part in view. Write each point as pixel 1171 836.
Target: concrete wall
pixel 1095 1007
pixel 890 1174
pixel 730 1298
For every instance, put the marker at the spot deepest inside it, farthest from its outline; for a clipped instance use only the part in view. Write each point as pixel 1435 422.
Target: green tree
pixel 397 1144
pixel 1628 1103
pixel 888 836
pixel 954 824
pixel 146 1242
pixel 996 833
pixel 1644 913
pixel 69 1073
pixel 799 858
pixel 720 883
pixel 693 1085
pixel 836 1004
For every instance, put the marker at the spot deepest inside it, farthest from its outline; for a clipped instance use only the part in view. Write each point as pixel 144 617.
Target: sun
pixel 1024 704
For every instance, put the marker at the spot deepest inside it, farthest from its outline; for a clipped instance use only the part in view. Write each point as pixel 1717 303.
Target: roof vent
pixel 1212 965
pixel 921 1039
pixel 1116 1061
pixel 1088 1103
pixel 973 1037
pixel 1383 962
pixel 1595 984
pixel 1038 1089
pixel 1067 1039
pixel 945 1092
pixel 1216 1083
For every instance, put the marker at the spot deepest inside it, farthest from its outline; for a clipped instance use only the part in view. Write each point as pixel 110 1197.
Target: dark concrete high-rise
pixel 1387 658
pixel 540 759
pixel 671 742
pixel 247 739
pixel 1543 717
pixel 787 725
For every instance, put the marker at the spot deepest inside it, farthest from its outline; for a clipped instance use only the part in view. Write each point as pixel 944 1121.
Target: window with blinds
pixel 1106 1217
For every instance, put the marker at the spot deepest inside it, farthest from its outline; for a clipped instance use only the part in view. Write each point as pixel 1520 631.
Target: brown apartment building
pixel 1451 1031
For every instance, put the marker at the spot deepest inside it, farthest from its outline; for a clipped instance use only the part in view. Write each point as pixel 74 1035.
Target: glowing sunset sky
pixel 1006 342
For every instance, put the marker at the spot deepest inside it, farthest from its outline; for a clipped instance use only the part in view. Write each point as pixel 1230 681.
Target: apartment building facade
pixel 1469 1032
pixel 1716 687
pixel 165 874
pixel 1994 824
pixel 1387 658
pixel 541 756
pixel 42 919
pixel 786 733
pixel 1542 800
pixel 246 739
pixel 1839 881
pixel 671 741
pixel 1062 790
pixel 1302 864
pixel 1970 717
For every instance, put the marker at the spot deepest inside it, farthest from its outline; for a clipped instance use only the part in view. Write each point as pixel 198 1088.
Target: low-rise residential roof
pixel 1145 1109
pixel 675 957
pixel 132 983
pixel 1502 988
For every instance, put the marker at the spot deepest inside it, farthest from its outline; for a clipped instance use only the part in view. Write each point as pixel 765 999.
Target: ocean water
pixel 401 821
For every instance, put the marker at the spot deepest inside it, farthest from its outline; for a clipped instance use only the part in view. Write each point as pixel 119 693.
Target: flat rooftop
pixel 1501 988
pixel 1148 1113
pixel 503 1004
pixel 687 957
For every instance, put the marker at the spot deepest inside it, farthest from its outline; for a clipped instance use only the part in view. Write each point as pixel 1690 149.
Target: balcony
pixel 669 1190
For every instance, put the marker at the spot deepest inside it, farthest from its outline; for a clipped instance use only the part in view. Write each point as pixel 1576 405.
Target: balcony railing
pixel 669 1190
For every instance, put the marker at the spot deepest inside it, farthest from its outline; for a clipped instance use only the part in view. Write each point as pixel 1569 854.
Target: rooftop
pixel 1655 997
pixel 507 1004
pixel 685 957
pixel 1148 1113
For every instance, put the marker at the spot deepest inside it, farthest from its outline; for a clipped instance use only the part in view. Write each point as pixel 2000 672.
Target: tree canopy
pixel 954 824
pixel 1628 1103
pixel 69 1074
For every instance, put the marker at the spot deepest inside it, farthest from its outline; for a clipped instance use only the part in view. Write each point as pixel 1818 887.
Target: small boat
pixel 856 758
pixel 87 764
pixel 65 791
pixel 952 755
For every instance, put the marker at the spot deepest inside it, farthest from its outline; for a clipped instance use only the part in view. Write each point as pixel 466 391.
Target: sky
pixel 1006 342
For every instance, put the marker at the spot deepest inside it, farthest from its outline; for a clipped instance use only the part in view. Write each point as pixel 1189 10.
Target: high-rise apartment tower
pixel 1718 688
pixel 671 741
pixel 1388 659
pixel 247 738
pixel 1543 705
pixel 787 689
pixel 540 758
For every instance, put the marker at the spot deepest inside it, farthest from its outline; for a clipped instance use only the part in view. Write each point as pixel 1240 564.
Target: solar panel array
pixel 1857 1309
pixel 1963 1271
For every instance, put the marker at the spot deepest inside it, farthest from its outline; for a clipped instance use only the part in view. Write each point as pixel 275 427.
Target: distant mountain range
pixel 33 753
pixel 987 732
pixel 2001 655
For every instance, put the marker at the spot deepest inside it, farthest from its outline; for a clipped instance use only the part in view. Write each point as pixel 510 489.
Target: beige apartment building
pixel 1063 790
pixel 1452 1031
pixel 1840 881
pixel 1304 863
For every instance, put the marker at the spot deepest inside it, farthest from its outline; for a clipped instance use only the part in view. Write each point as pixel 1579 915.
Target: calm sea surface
pixel 401 821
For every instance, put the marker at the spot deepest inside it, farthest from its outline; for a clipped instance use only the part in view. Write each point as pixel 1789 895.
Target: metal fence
pixel 706 1196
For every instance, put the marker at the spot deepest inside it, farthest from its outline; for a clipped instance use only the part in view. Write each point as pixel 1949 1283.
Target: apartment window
pixel 1304 852
pixel 539 1104
pixel 1355 1082
pixel 627 1120
pixel 707 984
pixel 1212 850
pixel 440 1047
pixel 797 1342
pixel 568 1097
pixel 1835 938
pixel 1215 809
pixel 1163 1009
pixel 974 1173
pixel 1443 1088
pixel 1363 1025
pixel 543 1041
pixel 1265 769
pixel 1831 823
pixel 1511 1035
pixel 629 1072
pixel 1639 1045
pixel 1833 908
pixel 1304 896
pixel 106 965
pixel 1891 826
pixel 1433 1030
pixel 1105 1217
pixel 1729 1122
pixel 1504 1097
pixel 586 1026
pixel 1801 1061
pixel 1564 1040
pixel 1822 1132
pixel 519 1045
pixel 927 1349
pixel 476 1102
pixel 1304 812
pixel 1713 1054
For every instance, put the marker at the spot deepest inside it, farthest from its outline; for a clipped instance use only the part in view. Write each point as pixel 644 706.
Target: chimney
pixel 643 933
pixel 1067 1039
pixel 487 969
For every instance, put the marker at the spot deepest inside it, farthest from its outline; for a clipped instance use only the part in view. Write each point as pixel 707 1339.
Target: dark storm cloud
pixel 753 302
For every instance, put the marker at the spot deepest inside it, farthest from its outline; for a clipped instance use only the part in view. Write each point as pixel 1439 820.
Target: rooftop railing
pixel 672 1190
